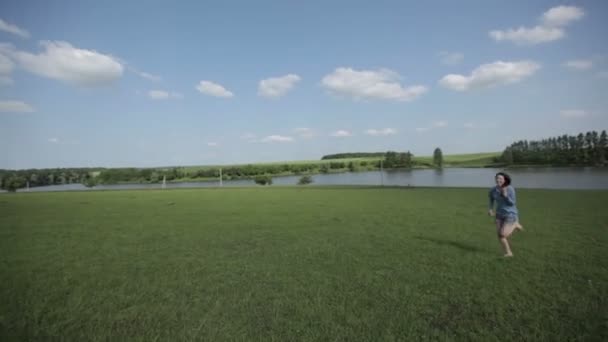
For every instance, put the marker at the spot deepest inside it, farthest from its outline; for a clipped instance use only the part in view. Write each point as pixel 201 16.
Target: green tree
pixel 438 157
pixel 263 180
pixel 13 183
pixel 89 181
pixel 305 180
pixel 603 147
pixel 390 159
pixel 507 156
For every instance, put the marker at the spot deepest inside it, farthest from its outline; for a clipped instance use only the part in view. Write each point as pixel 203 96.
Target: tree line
pixel 16 179
pixel 354 155
pixel 588 149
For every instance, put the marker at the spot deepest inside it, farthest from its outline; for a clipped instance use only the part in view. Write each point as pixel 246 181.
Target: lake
pixel 540 178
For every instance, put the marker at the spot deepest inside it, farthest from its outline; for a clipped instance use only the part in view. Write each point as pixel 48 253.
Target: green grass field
pixel 312 264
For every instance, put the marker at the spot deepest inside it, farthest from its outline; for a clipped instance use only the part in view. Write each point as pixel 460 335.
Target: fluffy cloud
pixel 380 132
pixel 441 123
pixel 277 138
pixel 213 89
pixel 341 134
pixel 550 29
pixel 490 75
pixel 275 87
pixel 10 28
pixel 579 64
pixel 212 144
pixel 562 15
pixel 163 95
pixel 54 140
pixel 451 58
pixel 64 62
pixel 573 113
pixel 529 36
pixel 12 106
pixel 370 84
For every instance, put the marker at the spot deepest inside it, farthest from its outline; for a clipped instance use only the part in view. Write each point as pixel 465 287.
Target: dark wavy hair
pixel 505 176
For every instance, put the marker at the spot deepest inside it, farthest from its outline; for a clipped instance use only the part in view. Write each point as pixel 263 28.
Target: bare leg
pixel 508 229
pixel 504 230
pixel 505 245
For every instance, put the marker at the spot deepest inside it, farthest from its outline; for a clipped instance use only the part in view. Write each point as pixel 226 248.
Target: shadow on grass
pixel 460 245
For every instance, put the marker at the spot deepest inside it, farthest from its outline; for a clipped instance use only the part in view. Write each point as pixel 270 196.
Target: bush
pixel 13 183
pixel 263 180
pixel 89 181
pixel 304 180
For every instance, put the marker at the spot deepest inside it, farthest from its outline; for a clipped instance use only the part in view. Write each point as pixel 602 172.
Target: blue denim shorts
pixel 506 218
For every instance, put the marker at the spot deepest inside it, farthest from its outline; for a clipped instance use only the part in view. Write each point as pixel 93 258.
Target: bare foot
pixel 519 227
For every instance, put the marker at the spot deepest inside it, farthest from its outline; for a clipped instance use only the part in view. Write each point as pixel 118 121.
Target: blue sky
pixel 154 83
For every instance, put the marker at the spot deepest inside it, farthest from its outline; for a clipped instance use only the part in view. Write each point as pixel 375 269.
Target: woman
pixel 503 194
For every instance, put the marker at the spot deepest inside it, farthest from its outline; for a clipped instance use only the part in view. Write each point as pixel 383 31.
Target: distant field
pixel 308 264
pixel 472 160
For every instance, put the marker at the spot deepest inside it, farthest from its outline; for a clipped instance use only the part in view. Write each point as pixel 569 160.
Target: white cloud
pixel 6 67
pixel 422 129
pixel 163 95
pixel 579 64
pixel 213 89
pixel 10 28
pixel 381 132
pixel 13 106
pixel 277 138
pixel 451 58
pixel 370 84
pixel 529 36
pixel 212 144
pixel 490 75
pixel 573 113
pixel 341 134
pixel 54 140
pixel 562 15
pixel 61 61
pixel 275 87
pixel 469 125
pixel 550 29
pixel 304 132
pixel 147 76
pixel 441 123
